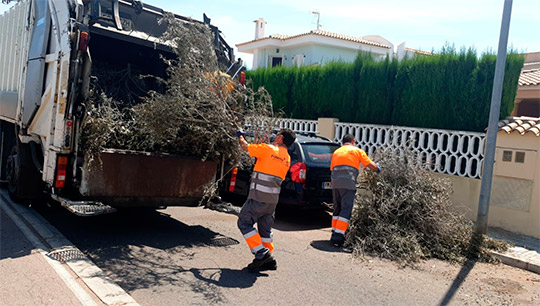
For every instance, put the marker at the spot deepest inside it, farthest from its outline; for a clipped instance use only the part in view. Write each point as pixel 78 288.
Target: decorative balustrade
pixel 444 151
pixel 297 125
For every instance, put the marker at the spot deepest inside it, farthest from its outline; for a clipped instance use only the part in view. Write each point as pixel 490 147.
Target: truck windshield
pixel 319 154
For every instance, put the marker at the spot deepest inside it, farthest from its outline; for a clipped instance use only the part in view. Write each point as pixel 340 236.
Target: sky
pixel 423 24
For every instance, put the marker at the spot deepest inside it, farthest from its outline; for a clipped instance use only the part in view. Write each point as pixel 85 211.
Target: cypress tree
pixel 449 90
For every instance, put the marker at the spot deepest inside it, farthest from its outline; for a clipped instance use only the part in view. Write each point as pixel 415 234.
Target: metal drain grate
pixel 223 241
pixel 66 254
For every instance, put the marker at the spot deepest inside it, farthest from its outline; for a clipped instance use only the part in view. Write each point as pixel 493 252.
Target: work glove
pixel 240 133
pixel 379 167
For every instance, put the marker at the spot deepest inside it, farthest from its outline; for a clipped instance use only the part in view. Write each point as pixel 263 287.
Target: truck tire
pixel 12 173
pixel 7 141
pixel 24 180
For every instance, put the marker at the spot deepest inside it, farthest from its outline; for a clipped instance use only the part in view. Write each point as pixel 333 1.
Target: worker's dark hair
pixel 289 136
pixel 347 138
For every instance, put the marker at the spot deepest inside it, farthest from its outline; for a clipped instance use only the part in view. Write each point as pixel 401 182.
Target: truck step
pixel 84 208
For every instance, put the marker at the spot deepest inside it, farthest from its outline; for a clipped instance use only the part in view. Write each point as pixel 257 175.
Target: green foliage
pixel 374 91
pixel 450 90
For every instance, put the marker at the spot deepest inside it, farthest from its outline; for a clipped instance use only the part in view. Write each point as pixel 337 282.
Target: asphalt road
pixel 196 256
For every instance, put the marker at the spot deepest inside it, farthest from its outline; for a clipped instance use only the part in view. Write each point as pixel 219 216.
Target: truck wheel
pixel 7 141
pixel 13 172
pixel 24 180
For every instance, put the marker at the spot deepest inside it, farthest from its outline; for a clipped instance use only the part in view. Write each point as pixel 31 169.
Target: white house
pixel 316 47
pixel 528 95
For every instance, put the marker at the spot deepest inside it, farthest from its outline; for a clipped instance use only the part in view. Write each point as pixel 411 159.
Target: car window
pixel 319 154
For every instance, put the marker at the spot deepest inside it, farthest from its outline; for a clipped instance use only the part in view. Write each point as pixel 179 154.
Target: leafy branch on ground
pixel 405 214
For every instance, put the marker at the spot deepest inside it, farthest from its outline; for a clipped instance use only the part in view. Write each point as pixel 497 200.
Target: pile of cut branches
pixel 404 214
pixel 197 114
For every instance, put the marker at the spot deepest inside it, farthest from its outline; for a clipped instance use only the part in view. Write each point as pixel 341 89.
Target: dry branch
pixel 197 113
pixel 405 214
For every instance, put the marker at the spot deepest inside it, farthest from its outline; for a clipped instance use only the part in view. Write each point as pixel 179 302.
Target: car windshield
pixel 319 154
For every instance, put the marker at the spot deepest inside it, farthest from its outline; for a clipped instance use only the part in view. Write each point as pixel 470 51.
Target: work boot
pixel 258 263
pixel 337 239
pixel 337 243
pixel 271 265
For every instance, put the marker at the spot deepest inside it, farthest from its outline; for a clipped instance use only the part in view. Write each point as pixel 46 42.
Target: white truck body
pixel 24 57
pixel 45 67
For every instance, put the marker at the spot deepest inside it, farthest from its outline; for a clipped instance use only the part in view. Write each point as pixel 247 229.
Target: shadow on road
pixel 228 278
pixel 290 218
pixel 473 252
pixel 293 219
pixel 133 227
pixel 326 246
pixel 142 248
pixel 460 278
pixel 13 243
pixel 147 249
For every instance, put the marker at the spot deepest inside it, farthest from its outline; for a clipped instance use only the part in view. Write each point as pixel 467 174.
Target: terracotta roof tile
pixel 529 77
pixel 322 33
pixel 531 64
pixel 522 125
pixel 419 51
pixel 278 36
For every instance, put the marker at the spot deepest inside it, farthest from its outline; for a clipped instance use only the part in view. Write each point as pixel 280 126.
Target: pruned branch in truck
pixel 196 113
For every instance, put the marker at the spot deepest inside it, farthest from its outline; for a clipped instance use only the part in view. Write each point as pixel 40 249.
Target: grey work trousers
pixel 261 213
pixel 343 205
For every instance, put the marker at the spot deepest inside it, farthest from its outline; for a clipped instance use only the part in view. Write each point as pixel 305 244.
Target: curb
pixel 62 251
pixel 517 262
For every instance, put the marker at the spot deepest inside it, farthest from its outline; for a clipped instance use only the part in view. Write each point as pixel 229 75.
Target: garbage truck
pixel 49 50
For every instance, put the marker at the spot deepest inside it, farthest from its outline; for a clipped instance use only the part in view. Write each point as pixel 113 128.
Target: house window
pixel 277 61
pixel 520 157
pixel 507 156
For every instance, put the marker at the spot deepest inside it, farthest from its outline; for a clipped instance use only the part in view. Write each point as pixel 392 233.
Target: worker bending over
pixel 345 167
pixel 273 162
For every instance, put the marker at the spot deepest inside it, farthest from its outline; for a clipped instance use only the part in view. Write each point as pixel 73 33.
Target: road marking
pixel 40 233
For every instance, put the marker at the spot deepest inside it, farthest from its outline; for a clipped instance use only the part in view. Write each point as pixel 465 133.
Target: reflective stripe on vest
pixel 344 172
pixel 264 188
pixel 344 177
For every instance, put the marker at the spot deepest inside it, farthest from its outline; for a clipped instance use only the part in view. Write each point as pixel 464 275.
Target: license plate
pixel 327 185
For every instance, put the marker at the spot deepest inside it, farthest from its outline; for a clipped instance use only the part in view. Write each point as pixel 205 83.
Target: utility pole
pixel 316 12
pixel 491 138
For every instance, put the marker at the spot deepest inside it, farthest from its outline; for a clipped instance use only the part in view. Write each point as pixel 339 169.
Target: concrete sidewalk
pixel 27 276
pixel 39 266
pixel 524 255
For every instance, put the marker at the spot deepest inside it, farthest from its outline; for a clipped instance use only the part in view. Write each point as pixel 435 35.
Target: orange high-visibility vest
pixel 272 160
pixel 349 155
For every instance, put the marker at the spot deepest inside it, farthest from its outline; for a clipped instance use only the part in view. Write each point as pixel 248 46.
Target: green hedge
pixel 450 90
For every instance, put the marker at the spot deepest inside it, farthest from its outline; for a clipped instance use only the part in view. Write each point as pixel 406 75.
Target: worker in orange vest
pixel 273 162
pixel 345 168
